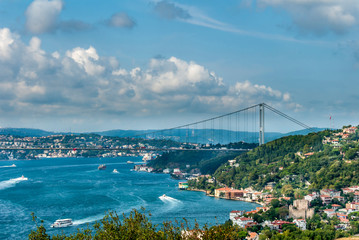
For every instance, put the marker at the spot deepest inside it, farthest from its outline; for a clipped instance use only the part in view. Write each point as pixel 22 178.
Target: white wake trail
pixel 11 182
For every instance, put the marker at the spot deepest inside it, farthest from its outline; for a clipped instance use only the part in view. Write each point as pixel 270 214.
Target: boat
pixel 24 178
pixel 62 223
pixel 102 167
pixel 13 165
pixel 130 162
pixel 115 171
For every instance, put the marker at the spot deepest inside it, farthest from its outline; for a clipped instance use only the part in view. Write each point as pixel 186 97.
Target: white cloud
pixel 319 16
pixel 7 43
pixel 86 58
pixel 121 20
pixel 41 15
pixel 82 83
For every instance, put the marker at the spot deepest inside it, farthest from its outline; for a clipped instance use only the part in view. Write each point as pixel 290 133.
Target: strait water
pixel 74 188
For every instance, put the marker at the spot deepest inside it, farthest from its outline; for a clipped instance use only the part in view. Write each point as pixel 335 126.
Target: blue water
pixel 74 188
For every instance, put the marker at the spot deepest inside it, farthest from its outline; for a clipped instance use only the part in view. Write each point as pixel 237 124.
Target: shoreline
pixel 209 195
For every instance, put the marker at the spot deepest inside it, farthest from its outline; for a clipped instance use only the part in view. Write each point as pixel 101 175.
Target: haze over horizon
pixel 92 65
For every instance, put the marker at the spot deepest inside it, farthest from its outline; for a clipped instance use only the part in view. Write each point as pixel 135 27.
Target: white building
pixel 242 221
pixel 301 223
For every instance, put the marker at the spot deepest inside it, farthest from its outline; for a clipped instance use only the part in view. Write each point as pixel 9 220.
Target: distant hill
pixel 204 135
pixel 181 135
pixel 25 132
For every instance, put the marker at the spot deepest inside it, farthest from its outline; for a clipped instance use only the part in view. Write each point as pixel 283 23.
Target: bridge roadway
pixel 124 149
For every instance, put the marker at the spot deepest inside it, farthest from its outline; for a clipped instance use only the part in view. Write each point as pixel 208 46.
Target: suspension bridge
pixel 221 133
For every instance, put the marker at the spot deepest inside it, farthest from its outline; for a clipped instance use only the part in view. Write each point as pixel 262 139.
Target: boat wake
pixel 169 199
pixel 12 182
pixel 13 165
pixel 88 220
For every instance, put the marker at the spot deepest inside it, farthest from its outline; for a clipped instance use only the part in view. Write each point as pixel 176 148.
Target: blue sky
pixel 90 65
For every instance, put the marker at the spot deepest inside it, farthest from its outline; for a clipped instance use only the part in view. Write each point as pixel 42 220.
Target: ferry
pixel 102 167
pixel 62 223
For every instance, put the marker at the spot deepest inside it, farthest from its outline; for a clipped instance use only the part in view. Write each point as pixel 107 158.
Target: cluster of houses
pixel 238 218
pixel 299 211
pixel 335 140
pixel 247 195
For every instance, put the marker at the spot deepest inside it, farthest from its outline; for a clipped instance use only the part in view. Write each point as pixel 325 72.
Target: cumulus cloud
pixel 41 15
pixel 169 10
pixel 319 16
pixel 121 20
pixel 81 82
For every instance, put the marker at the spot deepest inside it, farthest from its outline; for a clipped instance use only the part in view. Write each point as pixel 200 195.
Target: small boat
pixel 62 223
pixel 13 165
pixel 24 178
pixel 115 171
pixel 129 162
pixel 102 167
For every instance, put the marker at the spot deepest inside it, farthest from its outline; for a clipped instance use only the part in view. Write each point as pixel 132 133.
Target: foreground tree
pixel 137 225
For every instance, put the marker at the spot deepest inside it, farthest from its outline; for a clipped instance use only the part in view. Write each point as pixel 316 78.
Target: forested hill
pixel 296 162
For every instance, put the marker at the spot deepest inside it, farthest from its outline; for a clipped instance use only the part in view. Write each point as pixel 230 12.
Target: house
pixel 278 224
pixel 350 130
pixel 353 205
pixel 231 162
pixel 228 193
pixel 356 197
pixel 342 217
pixel 183 185
pixel 301 223
pixel 166 171
pixel 311 197
pixel 339 198
pixel 330 192
pixel 221 192
pixel 335 207
pixel 176 171
pixel 233 214
pixel 252 236
pixel 347 190
pixel 242 221
pixel 326 199
pixel 330 212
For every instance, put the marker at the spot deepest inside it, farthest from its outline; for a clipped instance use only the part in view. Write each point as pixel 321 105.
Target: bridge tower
pixel 261 124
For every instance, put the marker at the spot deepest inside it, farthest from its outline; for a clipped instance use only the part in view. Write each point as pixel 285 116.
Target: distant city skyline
pixel 90 65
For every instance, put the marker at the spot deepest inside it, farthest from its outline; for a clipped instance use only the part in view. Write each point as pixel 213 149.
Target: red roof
pixel 224 189
pixel 235 211
pixel 244 219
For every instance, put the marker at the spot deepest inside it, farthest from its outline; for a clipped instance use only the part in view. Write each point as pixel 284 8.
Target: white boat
pixel 115 171
pixel 129 162
pixel 62 223
pixel 24 178
pixel 164 197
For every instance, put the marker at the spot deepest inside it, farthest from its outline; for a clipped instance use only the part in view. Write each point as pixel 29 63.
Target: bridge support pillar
pixel 261 124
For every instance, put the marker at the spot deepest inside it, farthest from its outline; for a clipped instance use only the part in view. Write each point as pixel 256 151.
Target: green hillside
pixel 283 161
